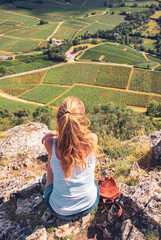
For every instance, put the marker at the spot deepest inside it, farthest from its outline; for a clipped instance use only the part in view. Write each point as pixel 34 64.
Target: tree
pixel 3 70
pixel 152 110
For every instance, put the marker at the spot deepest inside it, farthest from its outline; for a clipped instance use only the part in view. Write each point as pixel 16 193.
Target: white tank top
pixel 77 193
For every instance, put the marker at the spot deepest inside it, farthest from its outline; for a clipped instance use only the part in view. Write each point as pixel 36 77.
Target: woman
pixel 71 190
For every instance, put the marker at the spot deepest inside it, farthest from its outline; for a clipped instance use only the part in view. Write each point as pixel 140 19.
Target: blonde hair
pixel 73 134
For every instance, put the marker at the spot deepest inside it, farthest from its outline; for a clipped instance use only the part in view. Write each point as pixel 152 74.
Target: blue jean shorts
pixel 48 191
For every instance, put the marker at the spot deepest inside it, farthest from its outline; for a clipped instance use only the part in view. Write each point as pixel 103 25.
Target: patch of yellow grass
pixel 151 28
pixel 149 41
pixel 101 58
pixel 156 15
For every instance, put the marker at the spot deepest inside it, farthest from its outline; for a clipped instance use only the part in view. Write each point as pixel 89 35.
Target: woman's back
pixel 75 194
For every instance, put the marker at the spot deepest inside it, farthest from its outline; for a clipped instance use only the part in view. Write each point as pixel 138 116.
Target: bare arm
pixel 49 145
pixel 52 134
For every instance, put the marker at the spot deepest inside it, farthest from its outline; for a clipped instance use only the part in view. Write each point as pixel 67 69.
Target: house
pixel 7 57
pixel 56 42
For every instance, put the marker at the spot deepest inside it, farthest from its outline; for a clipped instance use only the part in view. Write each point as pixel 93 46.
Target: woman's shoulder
pixel 94 135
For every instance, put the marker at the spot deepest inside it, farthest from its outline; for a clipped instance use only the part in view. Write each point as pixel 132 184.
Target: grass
pixel 12 106
pixel 43 93
pixel 93 96
pixel 156 15
pixel 116 53
pixel 146 65
pixel 146 81
pixel 151 28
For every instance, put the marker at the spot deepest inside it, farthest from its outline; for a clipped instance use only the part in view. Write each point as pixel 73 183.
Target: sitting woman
pixel 71 190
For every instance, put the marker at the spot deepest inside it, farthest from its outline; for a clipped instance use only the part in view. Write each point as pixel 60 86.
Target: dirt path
pixel 37 70
pixel 19 100
pixel 145 56
pixel 55 31
pixel 128 84
pixel 118 89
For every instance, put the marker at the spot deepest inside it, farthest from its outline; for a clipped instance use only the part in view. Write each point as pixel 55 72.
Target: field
pixel 43 93
pixel 26 63
pixel 156 15
pixel 143 4
pixel 127 9
pixel 15 105
pixel 146 81
pixel 93 74
pixel 116 53
pixel 93 96
pixel 20 84
pixel 35 32
pixel 152 28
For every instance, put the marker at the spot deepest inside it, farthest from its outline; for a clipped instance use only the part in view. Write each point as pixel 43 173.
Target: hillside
pixel 23 213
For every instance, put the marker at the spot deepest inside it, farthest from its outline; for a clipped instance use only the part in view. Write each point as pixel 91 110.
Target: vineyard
pixel 146 81
pixel 116 53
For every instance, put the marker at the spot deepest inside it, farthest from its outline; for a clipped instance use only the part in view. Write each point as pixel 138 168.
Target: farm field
pixel 118 10
pixel 146 81
pixel 143 4
pixel 43 93
pixel 156 15
pixel 24 63
pixel 35 32
pixel 93 74
pixel 15 105
pixel 116 53
pixel 65 33
pixel 20 84
pixel 93 96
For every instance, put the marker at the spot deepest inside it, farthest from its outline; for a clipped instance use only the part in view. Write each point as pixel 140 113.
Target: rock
pixel 156 153
pixel 29 205
pixel 47 216
pixel 126 229
pixel 85 220
pixel 38 234
pixel 24 140
pixel 26 174
pixel 108 172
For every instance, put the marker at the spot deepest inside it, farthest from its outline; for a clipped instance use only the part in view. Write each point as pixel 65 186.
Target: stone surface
pixel 22 205
pixel 38 234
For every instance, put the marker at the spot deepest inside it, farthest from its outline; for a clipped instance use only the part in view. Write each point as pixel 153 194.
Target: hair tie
pixel 67 112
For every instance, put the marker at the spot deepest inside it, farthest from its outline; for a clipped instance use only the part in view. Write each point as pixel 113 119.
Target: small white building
pixel 7 57
pixel 56 42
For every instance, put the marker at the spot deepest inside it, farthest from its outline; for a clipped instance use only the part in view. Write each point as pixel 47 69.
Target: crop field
pixel 65 33
pixel 146 65
pixel 25 20
pixel 127 9
pixel 93 96
pixel 16 45
pixel 5 28
pixel 20 84
pixel 72 73
pixel 95 27
pixel 15 105
pixel 37 32
pixel 28 63
pixel 43 93
pixel 116 53
pixel 155 59
pixel 146 81
pixel 113 76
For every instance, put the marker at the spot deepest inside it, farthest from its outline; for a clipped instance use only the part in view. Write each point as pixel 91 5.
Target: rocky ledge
pixel 23 212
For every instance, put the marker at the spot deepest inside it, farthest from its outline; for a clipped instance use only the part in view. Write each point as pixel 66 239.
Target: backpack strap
pixel 114 215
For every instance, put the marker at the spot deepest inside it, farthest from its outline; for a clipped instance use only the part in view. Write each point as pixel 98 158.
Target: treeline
pixel 10 119
pixel 122 33
pixel 121 123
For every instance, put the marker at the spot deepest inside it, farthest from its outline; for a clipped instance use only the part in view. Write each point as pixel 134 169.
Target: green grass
pixel 116 53
pixel 15 105
pixel 113 76
pixel 72 73
pixel 146 81
pixel 93 96
pixel 43 93
pixel 155 59
pixel 144 3
pixel 9 63
pixel 17 89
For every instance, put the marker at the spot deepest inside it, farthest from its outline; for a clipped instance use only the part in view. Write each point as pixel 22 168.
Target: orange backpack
pixel 109 192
